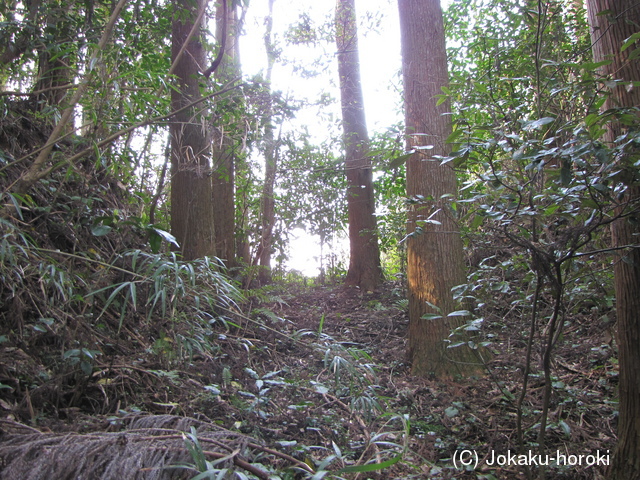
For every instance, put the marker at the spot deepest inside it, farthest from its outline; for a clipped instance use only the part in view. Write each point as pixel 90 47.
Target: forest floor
pixel 319 371
pixel 298 381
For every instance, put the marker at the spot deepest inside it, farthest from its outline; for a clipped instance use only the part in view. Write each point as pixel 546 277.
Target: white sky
pixel 379 55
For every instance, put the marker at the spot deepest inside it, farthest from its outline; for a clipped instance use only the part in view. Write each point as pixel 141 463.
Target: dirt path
pixel 316 371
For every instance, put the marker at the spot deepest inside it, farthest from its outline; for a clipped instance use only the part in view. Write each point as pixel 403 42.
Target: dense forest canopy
pixel 467 175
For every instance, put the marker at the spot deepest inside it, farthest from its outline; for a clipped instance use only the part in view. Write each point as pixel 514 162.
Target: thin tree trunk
pixel 364 262
pixel 39 169
pixel 57 59
pixel 271 161
pixel 612 22
pixel 191 208
pixel 224 148
pixel 434 250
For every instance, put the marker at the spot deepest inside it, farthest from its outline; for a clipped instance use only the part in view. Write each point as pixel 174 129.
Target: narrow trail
pixel 314 370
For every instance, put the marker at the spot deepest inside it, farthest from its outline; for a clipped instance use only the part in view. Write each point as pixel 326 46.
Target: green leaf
pixel 565 427
pixel 155 242
pixel 459 313
pixel 336 449
pixel 591 119
pixel 630 41
pixel 454 135
pixel 75 352
pixel 451 412
pixel 213 389
pixel 195 450
pixel 156 235
pixel 321 325
pixel 477 221
pixel 287 443
pixel 166 236
pixel 536 124
pixel 86 368
pixel 371 467
pixel 321 389
pixel 595 65
pixel 399 161
pixel 134 295
pixel 100 230
pixel 551 209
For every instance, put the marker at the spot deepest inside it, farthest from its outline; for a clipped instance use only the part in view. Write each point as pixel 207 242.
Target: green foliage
pixel 105 224
pixel 310 194
pixel 540 187
pixel 320 325
pixel 391 451
pixel 292 277
pixel 167 283
pixel 209 469
pixel 82 357
pixel 508 61
pixel 388 159
pixel 135 284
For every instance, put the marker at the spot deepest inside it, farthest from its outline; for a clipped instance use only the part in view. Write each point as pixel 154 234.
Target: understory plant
pixel 540 187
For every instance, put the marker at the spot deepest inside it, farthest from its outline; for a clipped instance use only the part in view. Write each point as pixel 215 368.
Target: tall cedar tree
pixel 270 158
pixel 434 246
pixel 612 22
pixel 224 148
pixel 364 263
pixel 191 207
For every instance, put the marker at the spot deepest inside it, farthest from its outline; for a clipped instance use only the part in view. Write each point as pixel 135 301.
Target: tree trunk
pixel 11 49
pixel 191 208
pixel 434 246
pixel 608 33
pixel 224 147
pixel 364 262
pixel 38 169
pixel 271 161
pixel 56 61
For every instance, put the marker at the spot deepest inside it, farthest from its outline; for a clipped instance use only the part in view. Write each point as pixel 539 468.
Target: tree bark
pixel 271 161
pixel 364 261
pixel 191 207
pixel 608 33
pixel 434 246
pixel 224 148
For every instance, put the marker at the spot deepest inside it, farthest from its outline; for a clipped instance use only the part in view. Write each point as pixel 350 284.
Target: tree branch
pixel 223 42
pixel 33 174
pixel 39 174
